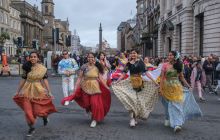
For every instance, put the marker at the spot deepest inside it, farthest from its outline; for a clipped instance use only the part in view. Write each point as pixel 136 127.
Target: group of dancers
pixel 136 87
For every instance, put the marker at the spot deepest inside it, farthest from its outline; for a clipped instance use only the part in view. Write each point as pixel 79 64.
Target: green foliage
pixel 3 37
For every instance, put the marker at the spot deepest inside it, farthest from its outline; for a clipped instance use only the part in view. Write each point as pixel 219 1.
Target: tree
pixel 3 37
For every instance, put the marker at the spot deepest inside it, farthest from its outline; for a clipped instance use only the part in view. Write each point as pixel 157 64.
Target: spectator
pixel 5 66
pixel 218 78
pixel 215 62
pixel 55 61
pixel 208 66
pixel 198 79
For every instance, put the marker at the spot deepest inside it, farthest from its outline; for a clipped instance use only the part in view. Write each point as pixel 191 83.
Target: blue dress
pixel 178 112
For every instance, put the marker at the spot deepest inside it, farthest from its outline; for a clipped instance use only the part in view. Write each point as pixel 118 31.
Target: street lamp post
pixel 54 39
pixel 100 37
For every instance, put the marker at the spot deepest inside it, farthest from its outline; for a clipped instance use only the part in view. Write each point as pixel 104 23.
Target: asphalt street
pixel 72 123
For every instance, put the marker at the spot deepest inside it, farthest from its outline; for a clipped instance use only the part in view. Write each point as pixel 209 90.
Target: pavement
pixel 72 123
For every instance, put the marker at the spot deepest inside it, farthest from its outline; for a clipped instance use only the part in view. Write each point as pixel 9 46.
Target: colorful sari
pixel 92 95
pixel 119 70
pixel 179 102
pixel 106 75
pixel 33 97
pixel 137 96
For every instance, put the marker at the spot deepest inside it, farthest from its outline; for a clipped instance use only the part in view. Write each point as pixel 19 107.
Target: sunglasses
pixel 65 53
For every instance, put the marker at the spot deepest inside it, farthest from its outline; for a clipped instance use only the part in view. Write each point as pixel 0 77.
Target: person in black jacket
pixel 208 66
pixel 217 71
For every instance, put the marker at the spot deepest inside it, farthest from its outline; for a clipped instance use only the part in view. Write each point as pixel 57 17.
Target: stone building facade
pixel 122 30
pixel 4 15
pixel 76 47
pixel 47 7
pixel 126 39
pixel 14 31
pixel 176 27
pixel 4 21
pixel 10 23
pixel 206 27
pixel 149 36
pixel 189 26
pixel 51 28
pixel 31 23
pixel 64 32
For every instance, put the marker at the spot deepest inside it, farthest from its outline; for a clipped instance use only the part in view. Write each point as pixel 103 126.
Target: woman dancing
pixel 106 67
pixel 120 65
pixel 137 96
pixel 33 94
pixel 91 91
pixel 179 103
pixel 148 65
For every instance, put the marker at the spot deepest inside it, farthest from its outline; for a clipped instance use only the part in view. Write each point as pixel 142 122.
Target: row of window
pixel 3 18
pixel 152 3
pixel 13 23
pixel 4 3
pixel 14 13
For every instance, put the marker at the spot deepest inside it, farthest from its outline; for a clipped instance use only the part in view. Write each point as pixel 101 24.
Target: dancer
pixel 120 65
pixel 148 65
pixel 179 103
pixel 137 96
pixel 91 91
pixel 33 94
pixel 198 80
pixel 106 67
pixel 67 67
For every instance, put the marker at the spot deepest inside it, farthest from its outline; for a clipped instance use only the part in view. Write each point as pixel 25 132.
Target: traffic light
pixel 68 40
pixel 55 34
pixel 20 42
pixel 34 44
pixel 37 45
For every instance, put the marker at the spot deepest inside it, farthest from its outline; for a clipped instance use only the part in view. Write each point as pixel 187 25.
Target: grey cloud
pixel 85 16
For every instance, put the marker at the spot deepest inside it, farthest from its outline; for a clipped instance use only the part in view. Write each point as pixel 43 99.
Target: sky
pixel 85 16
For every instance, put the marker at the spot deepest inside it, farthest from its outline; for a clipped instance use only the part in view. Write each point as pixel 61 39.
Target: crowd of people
pixel 137 82
pixel 207 66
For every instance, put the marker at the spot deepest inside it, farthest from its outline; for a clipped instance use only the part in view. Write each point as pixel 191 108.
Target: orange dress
pixel 32 98
pixel 4 59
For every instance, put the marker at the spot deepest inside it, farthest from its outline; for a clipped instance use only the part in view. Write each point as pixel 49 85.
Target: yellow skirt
pixel 136 82
pixel 172 90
